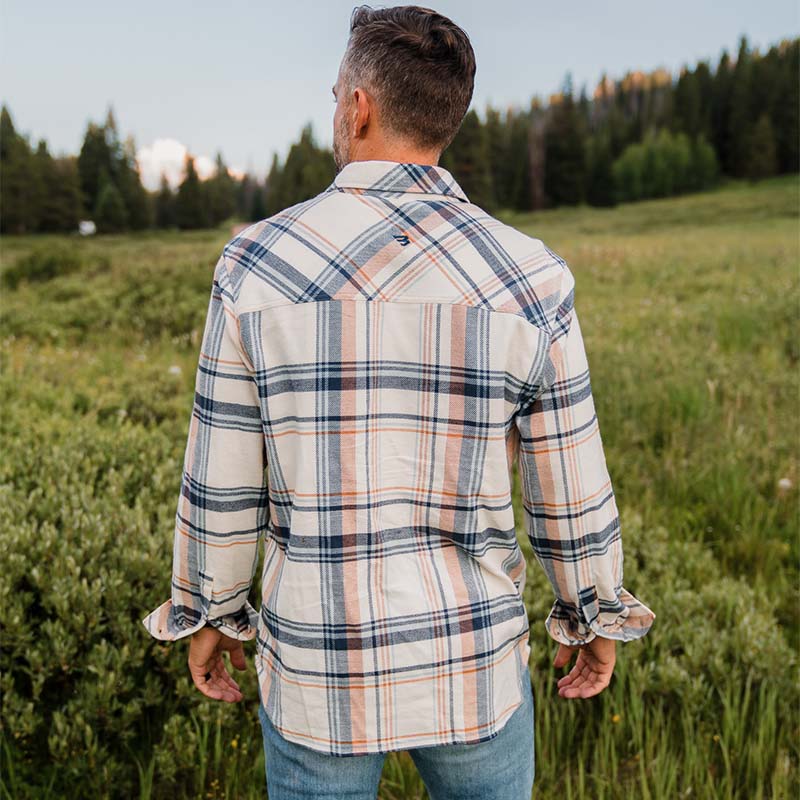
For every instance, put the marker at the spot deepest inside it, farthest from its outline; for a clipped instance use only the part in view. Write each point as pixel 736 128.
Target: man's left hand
pixel 593 668
pixel 207 666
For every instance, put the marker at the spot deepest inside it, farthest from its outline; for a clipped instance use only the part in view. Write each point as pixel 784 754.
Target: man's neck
pixel 406 155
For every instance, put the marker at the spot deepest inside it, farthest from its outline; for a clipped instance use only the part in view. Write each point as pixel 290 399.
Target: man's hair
pixel 417 64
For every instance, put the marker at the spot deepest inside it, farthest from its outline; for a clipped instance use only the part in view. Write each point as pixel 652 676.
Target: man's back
pixel 392 348
pixel 387 350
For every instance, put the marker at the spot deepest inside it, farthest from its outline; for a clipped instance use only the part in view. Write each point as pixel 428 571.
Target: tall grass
pixel 689 308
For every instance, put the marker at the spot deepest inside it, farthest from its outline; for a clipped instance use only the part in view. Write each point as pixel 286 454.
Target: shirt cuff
pixel 169 622
pixel 623 618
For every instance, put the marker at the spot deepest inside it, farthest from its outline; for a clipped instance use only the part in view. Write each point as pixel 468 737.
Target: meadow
pixel 690 309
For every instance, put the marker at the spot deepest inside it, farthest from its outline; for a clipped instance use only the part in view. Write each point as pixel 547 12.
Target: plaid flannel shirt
pixel 374 362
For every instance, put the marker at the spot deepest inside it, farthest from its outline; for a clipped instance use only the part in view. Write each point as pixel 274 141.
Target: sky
pixel 243 78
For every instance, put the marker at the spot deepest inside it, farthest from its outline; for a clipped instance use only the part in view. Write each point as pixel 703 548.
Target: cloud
pixel 167 156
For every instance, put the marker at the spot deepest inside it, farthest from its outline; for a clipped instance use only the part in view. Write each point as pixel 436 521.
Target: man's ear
pixel 362 113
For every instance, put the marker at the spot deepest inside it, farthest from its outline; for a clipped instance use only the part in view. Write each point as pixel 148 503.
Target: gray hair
pixel 419 67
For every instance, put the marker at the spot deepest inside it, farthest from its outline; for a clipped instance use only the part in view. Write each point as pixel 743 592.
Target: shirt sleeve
pixel 571 516
pixel 222 507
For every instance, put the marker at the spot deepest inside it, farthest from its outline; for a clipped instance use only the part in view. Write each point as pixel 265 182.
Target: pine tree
pixel 273 189
pixel 739 120
pixel 720 112
pixel 190 203
pixel 20 185
pixel 134 195
pixel 307 171
pixel 258 210
pixel 785 107
pixel 519 170
pixel 165 205
pixel 467 158
pixel 110 214
pixel 221 193
pixel 565 171
pixel 600 189
pixel 60 201
pixel 704 168
pixel 760 153
pixel 244 197
pixel 535 197
pixel 687 104
pixel 94 157
pixel 497 143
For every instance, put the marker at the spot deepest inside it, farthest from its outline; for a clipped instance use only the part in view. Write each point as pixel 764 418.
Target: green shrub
pixel 43 264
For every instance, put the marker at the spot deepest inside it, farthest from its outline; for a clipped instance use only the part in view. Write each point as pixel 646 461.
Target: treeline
pixel 40 193
pixel 646 135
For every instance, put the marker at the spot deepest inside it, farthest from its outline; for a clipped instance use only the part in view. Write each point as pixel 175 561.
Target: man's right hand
pixel 593 669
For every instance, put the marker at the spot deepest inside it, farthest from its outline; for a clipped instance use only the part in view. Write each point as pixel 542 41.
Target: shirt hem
pixel 412 742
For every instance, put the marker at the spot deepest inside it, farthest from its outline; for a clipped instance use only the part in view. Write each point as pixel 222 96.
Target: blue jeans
pixel 501 768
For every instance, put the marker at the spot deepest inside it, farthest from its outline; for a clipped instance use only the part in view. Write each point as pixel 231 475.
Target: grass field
pixel 690 309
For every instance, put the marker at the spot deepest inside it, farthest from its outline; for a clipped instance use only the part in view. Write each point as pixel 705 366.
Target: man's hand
pixel 592 671
pixel 207 667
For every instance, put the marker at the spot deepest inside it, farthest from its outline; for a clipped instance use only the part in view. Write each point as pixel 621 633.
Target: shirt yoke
pixel 397 247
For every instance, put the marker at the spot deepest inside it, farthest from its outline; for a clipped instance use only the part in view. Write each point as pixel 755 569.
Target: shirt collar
pixel 397 176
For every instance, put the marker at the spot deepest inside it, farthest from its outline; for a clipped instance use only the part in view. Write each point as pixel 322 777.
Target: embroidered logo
pixel 403 239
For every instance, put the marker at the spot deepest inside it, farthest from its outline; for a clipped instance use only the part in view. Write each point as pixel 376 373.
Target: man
pixel 375 359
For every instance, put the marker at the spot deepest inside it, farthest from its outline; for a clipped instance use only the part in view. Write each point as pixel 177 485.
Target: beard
pixel 341 144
